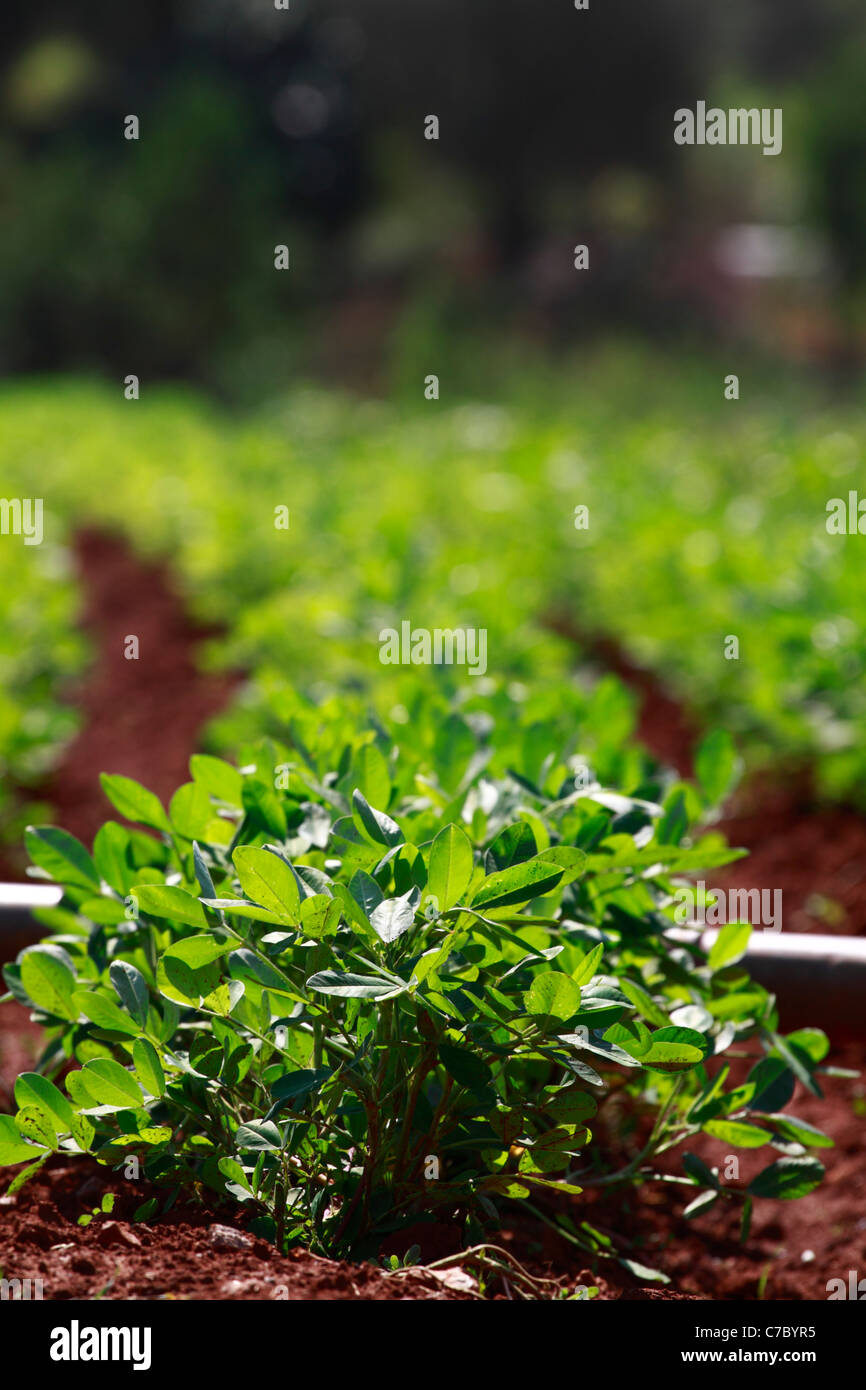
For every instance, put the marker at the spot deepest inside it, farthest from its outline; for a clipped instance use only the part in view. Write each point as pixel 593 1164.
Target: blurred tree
pixel 258 123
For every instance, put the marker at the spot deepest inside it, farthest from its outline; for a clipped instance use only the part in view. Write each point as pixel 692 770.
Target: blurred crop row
pixel 706 520
pixel 306 126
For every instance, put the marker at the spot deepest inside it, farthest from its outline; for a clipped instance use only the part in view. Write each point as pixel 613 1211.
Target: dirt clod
pixel 227 1238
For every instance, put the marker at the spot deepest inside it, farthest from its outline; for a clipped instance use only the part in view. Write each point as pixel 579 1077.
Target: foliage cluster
pixel 353 983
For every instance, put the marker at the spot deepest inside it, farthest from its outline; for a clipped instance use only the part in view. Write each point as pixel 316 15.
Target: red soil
pixel 816 854
pixel 139 717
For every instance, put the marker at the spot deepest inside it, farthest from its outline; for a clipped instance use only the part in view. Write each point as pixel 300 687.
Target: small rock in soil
pixel 455 1279
pixel 110 1233
pixel 227 1238
pixel 233 1288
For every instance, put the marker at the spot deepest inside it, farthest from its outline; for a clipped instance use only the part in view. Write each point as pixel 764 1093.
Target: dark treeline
pixel 305 126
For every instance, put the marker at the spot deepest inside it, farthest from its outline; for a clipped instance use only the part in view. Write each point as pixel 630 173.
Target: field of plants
pixel 705 520
pixel 395 960
pixel 432 671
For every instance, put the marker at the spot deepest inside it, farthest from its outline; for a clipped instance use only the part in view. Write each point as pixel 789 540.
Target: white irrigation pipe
pixel 24 897
pixel 817 979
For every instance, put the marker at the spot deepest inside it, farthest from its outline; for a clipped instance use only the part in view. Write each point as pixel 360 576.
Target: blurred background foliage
pixel 305 127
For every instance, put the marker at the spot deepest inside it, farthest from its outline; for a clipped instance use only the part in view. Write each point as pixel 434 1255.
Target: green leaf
pixel 190 811
pixel 206 1055
pixel 110 1084
pixel 351 986
pixel 643 1272
pixel 371 774
pixel 202 872
pixel 239 907
pixel 739 1005
pixel 583 1042
pixel 552 995
pixel 320 917
pixel 175 904
pixel 61 856
pixel 675 1033
pixel 297 1085
pixel 259 1136
pixel 111 846
pixel 698 1170
pixel 82 1131
pixel 146 1210
pixel 76 1085
pixel 570 1188
pixel 25 1174
pixel 738 1133
pixel 568 858
pixel 588 965
pixel 13 1148
pixel 366 892
pixel 245 964
pixel 787 1178
pixel 37 1125
pixel 550 1153
pixel 770 1084
pixel 730 945
pixel 379 826
pixel 505 1186
pixel 104 1012
pixel 811 1041
pixel 700 1204
pixel 513 845
pixel 675 821
pixel 31 1089
pixel 132 989
pixel 183 983
pixel 148 1067
pixel 799 1062
pixel 262 802
pixel 219 779
pixel 715 765
pixel 196 951
pixel 230 1168
pixel 48 980
pixel 519 884
pixel 269 881
pixel 134 802
pixel 571 1106
pixel 466 1067
pixel 644 1004
pixel 393 917
pixel 670 1057
pixel 103 911
pixel 584 1071
pixel 451 867
pixel 800 1131
pixel 224 998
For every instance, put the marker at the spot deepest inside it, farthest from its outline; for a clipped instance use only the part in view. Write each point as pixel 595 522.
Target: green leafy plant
pixel 350 986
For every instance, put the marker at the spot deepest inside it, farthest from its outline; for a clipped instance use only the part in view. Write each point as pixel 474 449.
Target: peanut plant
pixel 350 987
